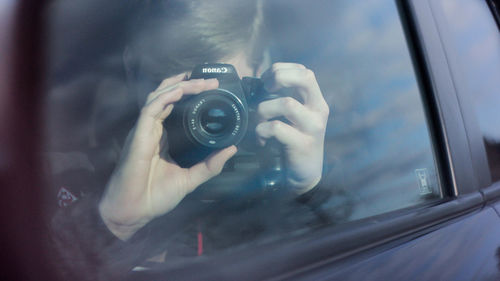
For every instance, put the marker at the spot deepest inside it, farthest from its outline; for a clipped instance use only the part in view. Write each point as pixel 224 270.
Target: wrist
pixel 121 229
pixel 304 187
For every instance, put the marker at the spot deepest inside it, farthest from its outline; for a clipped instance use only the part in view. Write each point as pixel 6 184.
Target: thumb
pixel 209 168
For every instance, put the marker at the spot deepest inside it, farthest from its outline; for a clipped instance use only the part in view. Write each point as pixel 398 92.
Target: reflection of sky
pixel 377 130
pixel 478 43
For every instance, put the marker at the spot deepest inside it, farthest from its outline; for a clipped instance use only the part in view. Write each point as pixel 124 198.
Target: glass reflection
pixel 378 152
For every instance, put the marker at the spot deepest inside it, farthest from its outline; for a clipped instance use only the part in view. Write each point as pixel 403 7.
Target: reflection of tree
pixel 492 147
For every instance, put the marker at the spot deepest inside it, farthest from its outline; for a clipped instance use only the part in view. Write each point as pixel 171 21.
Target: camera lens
pixel 214 119
pixel 217 118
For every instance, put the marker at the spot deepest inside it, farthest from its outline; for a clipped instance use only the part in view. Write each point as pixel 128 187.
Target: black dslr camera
pixel 203 123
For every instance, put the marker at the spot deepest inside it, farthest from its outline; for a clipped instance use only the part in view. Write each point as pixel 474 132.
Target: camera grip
pixel 272 166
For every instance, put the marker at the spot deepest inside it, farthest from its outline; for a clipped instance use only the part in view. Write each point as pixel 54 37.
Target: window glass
pixel 477 44
pixel 378 153
pixel 377 133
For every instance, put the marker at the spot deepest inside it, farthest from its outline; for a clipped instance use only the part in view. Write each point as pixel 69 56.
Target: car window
pixel 476 47
pixel 378 155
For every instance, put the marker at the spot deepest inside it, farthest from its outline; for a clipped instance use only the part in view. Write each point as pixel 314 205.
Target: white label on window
pixel 423 181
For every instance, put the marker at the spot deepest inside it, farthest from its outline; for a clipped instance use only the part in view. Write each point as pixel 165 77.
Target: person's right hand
pixel 144 184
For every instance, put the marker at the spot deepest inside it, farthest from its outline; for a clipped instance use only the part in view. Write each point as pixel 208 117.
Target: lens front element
pixel 216 119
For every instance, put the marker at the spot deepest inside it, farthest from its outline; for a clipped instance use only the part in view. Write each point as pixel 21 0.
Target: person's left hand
pixel 304 133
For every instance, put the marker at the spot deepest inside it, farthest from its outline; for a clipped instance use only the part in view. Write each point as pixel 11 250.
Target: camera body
pixel 211 120
pixel 215 119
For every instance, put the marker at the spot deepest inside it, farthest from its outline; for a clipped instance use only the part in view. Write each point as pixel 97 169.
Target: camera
pixel 211 120
pixel 214 119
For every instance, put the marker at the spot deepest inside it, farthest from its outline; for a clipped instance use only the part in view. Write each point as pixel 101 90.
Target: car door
pixel 455 47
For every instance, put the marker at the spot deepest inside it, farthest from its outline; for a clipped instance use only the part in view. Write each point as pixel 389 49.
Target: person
pixel 168 40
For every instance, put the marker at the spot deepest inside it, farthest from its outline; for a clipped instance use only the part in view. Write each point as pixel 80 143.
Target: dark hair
pixel 179 34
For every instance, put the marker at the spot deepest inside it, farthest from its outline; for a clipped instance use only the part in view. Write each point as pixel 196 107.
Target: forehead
pixel 159 66
pixel 162 48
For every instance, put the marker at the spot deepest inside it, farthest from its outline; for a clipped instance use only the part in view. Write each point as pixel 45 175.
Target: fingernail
pixel 233 148
pixel 184 76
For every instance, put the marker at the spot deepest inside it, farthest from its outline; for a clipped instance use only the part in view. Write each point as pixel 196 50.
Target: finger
pixel 166 85
pixel 144 141
pixel 146 135
pixel 195 86
pixel 172 80
pixel 303 80
pixel 284 133
pixel 281 65
pixel 160 108
pixel 191 87
pixel 155 108
pixel 295 112
pixel 209 168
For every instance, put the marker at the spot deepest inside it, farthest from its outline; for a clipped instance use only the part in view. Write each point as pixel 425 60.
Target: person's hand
pixel 146 185
pixel 303 135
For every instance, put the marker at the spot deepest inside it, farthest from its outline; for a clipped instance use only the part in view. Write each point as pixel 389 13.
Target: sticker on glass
pixel 423 181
